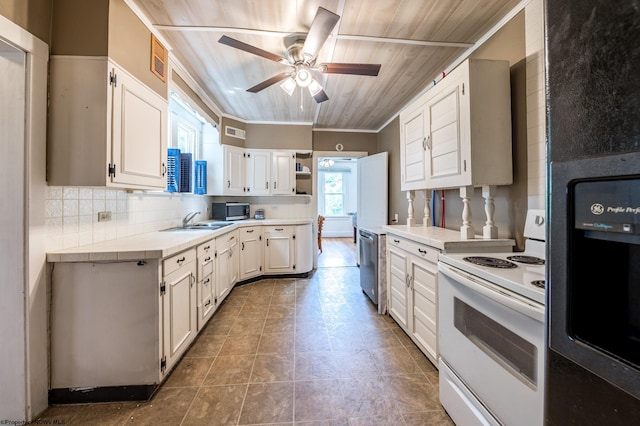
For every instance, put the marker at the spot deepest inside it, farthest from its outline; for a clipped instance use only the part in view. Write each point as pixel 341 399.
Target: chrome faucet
pixel 188 218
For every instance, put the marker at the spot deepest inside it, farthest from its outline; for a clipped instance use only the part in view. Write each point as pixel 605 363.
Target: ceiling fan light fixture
pixel 303 77
pixel 289 86
pixel 315 87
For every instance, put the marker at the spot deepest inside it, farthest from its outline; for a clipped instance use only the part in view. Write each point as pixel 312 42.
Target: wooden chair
pixel 320 223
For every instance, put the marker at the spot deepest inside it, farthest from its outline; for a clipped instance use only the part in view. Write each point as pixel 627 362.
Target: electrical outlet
pixel 104 216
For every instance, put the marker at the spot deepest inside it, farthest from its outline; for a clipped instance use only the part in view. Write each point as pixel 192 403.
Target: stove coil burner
pixel 529 260
pixel 538 283
pixel 491 262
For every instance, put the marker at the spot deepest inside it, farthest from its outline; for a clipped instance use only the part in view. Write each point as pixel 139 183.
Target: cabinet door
pixel 139 134
pixel 206 289
pixel 398 279
pixel 226 264
pixel 414 165
pixel 258 172
pixel 423 277
pixel 180 307
pixel 283 171
pixel 251 255
pixel 279 250
pixel 444 147
pixel 234 170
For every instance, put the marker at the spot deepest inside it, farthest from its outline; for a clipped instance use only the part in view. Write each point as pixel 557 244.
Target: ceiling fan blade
pixel 321 27
pixel 251 49
pixel 357 69
pixel 321 96
pixel 273 80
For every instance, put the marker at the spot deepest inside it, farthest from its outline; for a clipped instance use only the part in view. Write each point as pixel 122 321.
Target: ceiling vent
pixel 234 132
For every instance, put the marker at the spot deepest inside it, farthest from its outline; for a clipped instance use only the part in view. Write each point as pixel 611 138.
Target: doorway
pixel 337 200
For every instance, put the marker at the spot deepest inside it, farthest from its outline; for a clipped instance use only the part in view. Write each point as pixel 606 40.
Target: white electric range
pixel 491 339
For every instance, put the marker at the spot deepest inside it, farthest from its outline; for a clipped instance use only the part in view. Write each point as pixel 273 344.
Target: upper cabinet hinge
pixel 163 289
pixel 111 170
pixel 113 79
pixel 464 164
pixel 463 88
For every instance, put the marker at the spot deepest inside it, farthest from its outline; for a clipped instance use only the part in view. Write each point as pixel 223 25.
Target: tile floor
pixel 288 352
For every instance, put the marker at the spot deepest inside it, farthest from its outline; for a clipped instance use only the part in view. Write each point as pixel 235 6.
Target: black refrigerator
pixel 593 282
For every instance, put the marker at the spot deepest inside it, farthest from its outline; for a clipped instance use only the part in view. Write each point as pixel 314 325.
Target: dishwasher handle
pixel 367 236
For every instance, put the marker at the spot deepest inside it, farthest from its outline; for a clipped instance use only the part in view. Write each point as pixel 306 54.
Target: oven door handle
pixel 494 293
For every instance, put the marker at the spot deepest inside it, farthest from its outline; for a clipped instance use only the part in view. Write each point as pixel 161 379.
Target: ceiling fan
pixel 301 56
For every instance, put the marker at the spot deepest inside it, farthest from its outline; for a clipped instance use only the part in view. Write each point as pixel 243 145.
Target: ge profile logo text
pixel 597 208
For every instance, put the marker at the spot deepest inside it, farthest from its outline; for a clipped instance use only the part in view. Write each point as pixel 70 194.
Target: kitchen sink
pixel 203 226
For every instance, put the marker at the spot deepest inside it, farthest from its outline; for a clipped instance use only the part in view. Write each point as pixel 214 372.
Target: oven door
pixel 493 342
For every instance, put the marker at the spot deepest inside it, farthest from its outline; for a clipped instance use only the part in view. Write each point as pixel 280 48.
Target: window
pixel 333 193
pixel 186 127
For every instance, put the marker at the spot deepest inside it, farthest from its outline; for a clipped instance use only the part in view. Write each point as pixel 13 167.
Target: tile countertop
pixel 448 240
pixel 154 245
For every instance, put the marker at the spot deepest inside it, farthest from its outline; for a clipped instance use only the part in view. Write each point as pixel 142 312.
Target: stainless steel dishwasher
pixel 369 264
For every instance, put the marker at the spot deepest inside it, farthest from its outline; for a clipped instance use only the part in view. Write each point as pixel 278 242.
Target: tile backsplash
pixel 72 212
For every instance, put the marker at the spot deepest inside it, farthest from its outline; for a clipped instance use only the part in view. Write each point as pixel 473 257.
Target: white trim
pixel 325 129
pixel 193 85
pixel 287 123
pixel 147 23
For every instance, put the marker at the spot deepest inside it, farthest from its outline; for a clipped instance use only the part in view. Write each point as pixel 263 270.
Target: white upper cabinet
pixel 105 127
pixel 459 132
pixel 225 168
pixel 241 171
pixel 283 173
pixel 258 172
pixel 413 130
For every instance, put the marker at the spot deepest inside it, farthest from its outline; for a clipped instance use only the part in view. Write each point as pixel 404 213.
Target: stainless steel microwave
pixel 229 211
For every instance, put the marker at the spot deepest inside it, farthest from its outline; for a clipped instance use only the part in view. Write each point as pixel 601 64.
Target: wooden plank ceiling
pixel 193 28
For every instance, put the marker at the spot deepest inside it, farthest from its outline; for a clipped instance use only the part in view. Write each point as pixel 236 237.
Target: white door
pixel 398 286
pixel 139 133
pixel 180 297
pixel 283 173
pixel 258 172
pixel 12 228
pixel 234 164
pixel 250 252
pixel 414 166
pixel 373 174
pixel 423 310
pixel 444 149
pixel 279 250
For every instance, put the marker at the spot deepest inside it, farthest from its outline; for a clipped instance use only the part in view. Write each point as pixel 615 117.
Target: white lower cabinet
pixel 279 256
pixel 412 274
pixel 251 252
pixel 226 264
pixel 206 281
pixel 124 325
pixel 180 307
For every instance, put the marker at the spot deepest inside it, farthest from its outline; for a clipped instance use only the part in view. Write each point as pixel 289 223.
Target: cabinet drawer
pixel 207 248
pixel 279 229
pixel 175 262
pixel 421 250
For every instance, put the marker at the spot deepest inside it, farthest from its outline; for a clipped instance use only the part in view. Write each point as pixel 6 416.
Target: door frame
pixel 27 363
